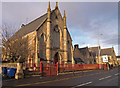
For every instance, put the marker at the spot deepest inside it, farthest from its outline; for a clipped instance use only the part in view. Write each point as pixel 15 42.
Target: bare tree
pixel 12 49
pixel 5 34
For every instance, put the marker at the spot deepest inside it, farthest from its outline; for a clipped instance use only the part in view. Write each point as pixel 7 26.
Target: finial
pixel 56 5
pixel 64 14
pixel 49 6
pixel 64 19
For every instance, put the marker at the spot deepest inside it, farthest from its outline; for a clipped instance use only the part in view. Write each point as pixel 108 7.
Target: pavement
pixel 89 78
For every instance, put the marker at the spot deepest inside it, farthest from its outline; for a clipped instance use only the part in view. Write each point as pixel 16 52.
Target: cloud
pixel 93 19
pixel 85 20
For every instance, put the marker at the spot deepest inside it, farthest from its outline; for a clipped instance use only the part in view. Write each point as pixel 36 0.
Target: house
pixel 118 59
pixel 48 38
pixel 95 50
pixel 110 54
pixel 83 54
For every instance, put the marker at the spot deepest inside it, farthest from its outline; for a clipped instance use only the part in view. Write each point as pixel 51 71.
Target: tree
pixel 13 49
pixel 5 34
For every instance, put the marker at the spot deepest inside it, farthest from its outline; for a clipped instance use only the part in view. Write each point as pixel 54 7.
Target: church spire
pixel 49 9
pixel 64 19
pixel 64 14
pixel 56 5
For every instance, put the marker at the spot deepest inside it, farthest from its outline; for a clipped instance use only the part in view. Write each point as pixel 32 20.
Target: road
pixel 72 80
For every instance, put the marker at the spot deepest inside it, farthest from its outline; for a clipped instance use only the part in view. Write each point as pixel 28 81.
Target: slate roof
pixel 83 50
pixel 30 27
pixel 78 60
pixel 107 51
pixel 94 49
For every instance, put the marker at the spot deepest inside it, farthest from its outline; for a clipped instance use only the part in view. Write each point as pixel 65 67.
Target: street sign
pixel 105 58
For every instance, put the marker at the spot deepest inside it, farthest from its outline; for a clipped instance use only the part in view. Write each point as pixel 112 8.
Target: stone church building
pixel 49 38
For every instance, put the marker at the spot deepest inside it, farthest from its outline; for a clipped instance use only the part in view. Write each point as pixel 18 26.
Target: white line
pixel 83 84
pixel 101 78
pixel 116 73
pixel 105 78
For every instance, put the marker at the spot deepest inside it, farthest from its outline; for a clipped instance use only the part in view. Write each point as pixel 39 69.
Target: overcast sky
pixel 85 20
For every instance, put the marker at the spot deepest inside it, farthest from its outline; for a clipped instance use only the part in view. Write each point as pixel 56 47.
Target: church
pixel 49 38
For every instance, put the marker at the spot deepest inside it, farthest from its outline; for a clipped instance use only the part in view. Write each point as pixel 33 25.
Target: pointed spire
pixel 49 6
pixel 64 14
pixel 64 19
pixel 56 5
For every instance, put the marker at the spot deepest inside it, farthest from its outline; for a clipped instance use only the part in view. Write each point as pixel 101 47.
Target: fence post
pixel 104 66
pixel 49 69
pixel 98 66
pixel 40 66
pixel 57 68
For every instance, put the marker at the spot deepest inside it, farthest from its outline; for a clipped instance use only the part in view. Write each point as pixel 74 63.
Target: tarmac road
pixel 89 78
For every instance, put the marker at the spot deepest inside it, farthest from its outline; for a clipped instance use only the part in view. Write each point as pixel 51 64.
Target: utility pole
pixel 99 51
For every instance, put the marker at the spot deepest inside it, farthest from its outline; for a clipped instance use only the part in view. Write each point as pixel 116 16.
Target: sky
pixel 87 22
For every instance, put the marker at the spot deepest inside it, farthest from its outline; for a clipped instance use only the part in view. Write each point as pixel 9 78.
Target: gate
pixel 49 69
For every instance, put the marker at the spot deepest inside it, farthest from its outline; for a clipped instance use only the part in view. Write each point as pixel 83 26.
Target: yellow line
pixel 56 80
pixel 74 72
pixel 43 82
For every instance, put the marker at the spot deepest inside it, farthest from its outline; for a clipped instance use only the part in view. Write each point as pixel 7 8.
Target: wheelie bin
pixel 11 71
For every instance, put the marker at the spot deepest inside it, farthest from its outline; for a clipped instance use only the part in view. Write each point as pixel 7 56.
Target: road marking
pixel 101 78
pixel 74 72
pixel 82 84
pixel 116 73
pixel 57 80
pixel 105 78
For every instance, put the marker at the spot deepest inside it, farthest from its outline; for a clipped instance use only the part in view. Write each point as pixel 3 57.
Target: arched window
pixel 56 37
pixel 41 45
pixel 68 51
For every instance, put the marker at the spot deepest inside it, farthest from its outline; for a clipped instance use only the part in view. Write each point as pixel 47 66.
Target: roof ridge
pixel 83 48
pixel 106 48
pixel 35 19
pixel 28 28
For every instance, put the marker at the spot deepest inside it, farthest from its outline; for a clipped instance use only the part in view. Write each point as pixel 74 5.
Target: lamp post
pixel 99 51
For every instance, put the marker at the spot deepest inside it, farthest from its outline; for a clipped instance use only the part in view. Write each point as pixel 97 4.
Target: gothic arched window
pixel 41 45
pixel 56 37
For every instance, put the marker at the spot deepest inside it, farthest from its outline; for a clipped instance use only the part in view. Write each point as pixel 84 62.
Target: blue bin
pixel 11 71
pixel 4 70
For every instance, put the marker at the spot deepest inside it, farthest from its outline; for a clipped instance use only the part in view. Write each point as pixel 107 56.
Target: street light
pixel 99 51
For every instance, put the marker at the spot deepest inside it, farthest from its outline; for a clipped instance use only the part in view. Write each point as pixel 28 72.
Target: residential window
pixel 108 58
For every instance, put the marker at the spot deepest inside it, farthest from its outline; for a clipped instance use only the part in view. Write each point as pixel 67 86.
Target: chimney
pixel 22 25
pixel 76 46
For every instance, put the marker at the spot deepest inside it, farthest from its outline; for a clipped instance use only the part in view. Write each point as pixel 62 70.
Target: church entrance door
pixel 56 57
